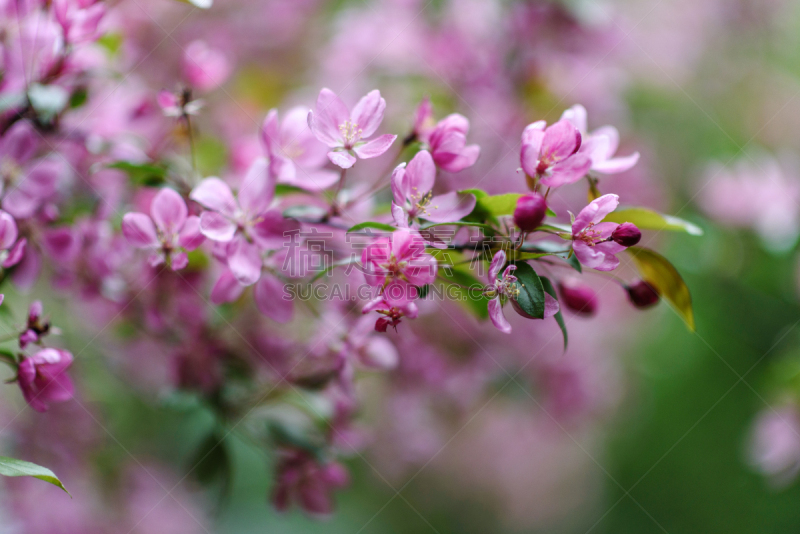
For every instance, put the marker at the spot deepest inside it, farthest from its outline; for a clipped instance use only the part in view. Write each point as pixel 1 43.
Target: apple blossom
pixel 345 131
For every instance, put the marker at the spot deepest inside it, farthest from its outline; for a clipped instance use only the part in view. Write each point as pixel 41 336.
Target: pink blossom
pixel 295 155
pixel 168 231
pixel 303 479
pixel 501 286
pixel 412 190
pixel 79 20
pixel 11 249
pixel 775 443
pixel 25 184
pixel 592 240
pixel 400 258
pixel 178 104
pixel 36 328
pixel 43 378
pixel 345 131
pixel 394 303
pixel 551 154
pixel 599 145
pixel 506 287
pixel 205 68
pixel 447 139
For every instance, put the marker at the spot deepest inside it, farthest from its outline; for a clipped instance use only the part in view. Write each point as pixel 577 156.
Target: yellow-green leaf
pixel 657 271
pixel 11 467
pixel 647 219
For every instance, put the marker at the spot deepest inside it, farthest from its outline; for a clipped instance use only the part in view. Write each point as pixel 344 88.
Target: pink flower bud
pixel 578 297
pixel 43 378
pixel 530 212
pixel 642 295
pixel 626 234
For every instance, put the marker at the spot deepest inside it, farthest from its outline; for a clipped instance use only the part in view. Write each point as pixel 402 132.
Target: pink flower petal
pixel 568 171
pixel 420 175
pixel 498 261
pixel 217 227
pixel 345 160
pixel 139 230
pixel 216 195
pixel 595 211
pixel 8 230
pixel 497 317
pixel 577 116
pixel 561 140
pixel 15 253
pixel 367 115
pixel 330 113
pixel 617 165
pixel 168 211
pixel 226 289
pixel 449 207
pixel 271 299
pixel 257 189
pixel 532 138
pixel 244 261
pixel 191 237
pixel 376 147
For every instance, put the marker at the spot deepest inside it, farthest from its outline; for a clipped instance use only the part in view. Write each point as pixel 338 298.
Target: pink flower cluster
pixel 251 259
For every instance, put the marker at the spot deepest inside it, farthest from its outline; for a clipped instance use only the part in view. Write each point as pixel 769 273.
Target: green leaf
pixel 573 262
pixel 211 460
pixel 11 467
pixel 531 295
pixel 489 207
pixel 551 213
pixel 647 219
pixel 657 271
pixel 373 225
pixel 486 227
pixel 285 189
pixel 473 299
pixel 548 286
pixel 142 173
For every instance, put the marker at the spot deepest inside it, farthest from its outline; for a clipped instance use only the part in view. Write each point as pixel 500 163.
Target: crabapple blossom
pixel 499 287
pixel 395 302
pixel 205 68
pixel 12 249
pixel 412 187
pixel 168 232
pixel 775 443
pixel 400 258
pixel 592 240
pixel 179 104
pixel 36 327
pixel 302 479
pixel 43 378
pixel 347 132
pixel 599 145
pixel 295 155
pixel 446 140
pixel 550 154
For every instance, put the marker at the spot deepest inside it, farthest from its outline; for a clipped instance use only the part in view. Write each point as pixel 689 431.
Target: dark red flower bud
pixel 626 234
pixel 530 212
pixel 382 324
pixel 642 294
pixel 578 297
